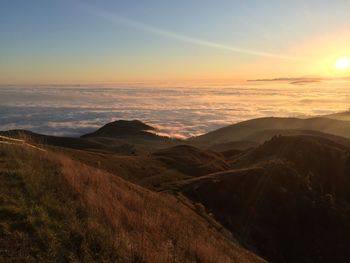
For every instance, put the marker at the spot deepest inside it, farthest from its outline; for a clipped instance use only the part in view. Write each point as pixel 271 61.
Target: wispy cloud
pixel 120 20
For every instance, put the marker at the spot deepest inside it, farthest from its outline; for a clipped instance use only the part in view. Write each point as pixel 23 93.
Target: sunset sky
pixel 71 41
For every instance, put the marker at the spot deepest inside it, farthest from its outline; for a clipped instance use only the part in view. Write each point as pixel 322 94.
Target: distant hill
pixel 133 132
pixel 288 199
pixel 136 137
pixel 86 144
pixel 122 128
pixel 241 131
pixel 343 116
pixel 255 138
pixel 264 135
pixel 120 137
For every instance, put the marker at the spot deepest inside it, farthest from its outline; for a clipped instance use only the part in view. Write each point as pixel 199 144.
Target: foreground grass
pixel 53 209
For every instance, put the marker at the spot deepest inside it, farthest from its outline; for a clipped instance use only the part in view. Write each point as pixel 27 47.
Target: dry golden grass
pixel 95 216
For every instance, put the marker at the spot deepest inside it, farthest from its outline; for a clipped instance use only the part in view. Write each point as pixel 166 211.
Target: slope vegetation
pixel 191 161
pixel 54 209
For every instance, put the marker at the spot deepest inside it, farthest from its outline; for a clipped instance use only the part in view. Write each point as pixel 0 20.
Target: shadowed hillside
pixel 191 161
pixel 238 145
pixel 288 199
pixel 323 161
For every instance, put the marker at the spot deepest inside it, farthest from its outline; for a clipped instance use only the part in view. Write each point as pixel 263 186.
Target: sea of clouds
pixel 179 111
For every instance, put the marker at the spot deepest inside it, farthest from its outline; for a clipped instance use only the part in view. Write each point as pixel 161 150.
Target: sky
pixel 85 41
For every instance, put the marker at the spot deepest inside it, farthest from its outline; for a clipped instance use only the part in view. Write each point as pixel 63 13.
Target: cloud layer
pixel 175 111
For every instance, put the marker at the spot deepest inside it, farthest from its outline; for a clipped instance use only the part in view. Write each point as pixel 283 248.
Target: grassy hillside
pixel 237 145
pixel 287 198
pixel 191 161
pixel 143 170
pixel 54 209
pixel 94 145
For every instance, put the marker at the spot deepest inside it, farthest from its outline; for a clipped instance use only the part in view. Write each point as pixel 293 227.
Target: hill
pixel 288 199
pixel 265 135
pixel 241 131
pixel 135 132
pixel 54 209
pixel 281 188
pixel 144 170
pixel 238 145
pixel 67 142
pixel 119 137
pixel 344 116
pixel 136 138
pixel 191 161
pixel 122 128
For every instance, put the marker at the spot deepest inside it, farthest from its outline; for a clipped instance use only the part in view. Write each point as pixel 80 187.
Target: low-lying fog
pixel 177 111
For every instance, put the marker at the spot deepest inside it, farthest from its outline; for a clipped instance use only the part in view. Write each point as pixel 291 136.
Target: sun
pixel 342 63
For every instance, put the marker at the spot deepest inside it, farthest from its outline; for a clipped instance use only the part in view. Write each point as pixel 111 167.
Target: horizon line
pixel 176 81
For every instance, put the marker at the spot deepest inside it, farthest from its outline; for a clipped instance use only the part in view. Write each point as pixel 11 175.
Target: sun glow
pixel 342 63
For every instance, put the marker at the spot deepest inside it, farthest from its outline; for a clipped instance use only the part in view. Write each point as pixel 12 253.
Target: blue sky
pixel 77 41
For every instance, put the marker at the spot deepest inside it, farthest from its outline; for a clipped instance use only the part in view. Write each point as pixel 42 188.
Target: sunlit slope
pixel 53 209
pixel 243 130
pixel 143 170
